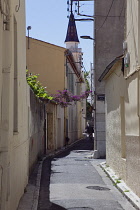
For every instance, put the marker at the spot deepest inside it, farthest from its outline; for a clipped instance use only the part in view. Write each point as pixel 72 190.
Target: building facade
pixel 109 36
pixel 58 70
pixel 21 113
pixel 75 81
pixel 122 88
pixel 13 106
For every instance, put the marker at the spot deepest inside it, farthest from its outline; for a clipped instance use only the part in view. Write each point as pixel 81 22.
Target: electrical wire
pixel 106 16
pixel 123 7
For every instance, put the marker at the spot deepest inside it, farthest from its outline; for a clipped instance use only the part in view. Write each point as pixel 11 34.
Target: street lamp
pixel 28 28
pixel 86 37
pixel 85 19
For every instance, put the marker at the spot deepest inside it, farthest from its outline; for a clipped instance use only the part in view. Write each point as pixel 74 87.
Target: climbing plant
pixel 63 98
pixel 86 76
pixel 38 89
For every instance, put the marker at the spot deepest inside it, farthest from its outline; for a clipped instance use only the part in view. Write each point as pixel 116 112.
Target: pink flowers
pixel 65 97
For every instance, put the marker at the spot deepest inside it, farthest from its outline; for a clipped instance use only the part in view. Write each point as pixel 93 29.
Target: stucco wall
pixel 122 127
pixel 132 34
pixel 49 64
pixel 13 144
pixel 76 122
pixel 114 92
pixel 55 124
pixel 132 134
pixel 36 129
pixel 132 37
pixel 109 36
pixel 60 141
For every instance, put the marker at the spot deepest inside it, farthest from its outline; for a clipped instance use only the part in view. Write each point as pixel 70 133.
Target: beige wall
pixel 56 73
pixel 55 127
pixel 75 114
pixel 48 61
pixel 132 116
pixel 132 34
pixel 114 94
pixel 123 107
pixel 13 145
pixel 122 126
pixel 60 140
pixel 36 116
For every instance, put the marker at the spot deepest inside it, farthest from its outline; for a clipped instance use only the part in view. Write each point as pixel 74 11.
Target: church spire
pixel 71 31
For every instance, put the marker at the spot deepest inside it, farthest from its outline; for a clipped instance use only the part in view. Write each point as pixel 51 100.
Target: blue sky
pixel 49 22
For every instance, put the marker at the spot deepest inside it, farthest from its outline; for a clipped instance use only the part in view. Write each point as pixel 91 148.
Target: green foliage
pixel 36 86
pixel 88 105
pixel 88 110
pixel 86 75
pixel 117 181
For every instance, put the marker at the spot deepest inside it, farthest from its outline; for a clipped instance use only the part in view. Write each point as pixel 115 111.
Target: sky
pixel 49 22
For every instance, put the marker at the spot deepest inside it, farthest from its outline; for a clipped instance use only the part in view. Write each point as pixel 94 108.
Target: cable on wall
pixel 106 16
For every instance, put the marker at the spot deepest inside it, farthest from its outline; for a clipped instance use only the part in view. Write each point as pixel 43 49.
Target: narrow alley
pixel 74 181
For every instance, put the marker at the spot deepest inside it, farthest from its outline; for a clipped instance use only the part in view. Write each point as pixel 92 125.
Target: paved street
pixel 74 181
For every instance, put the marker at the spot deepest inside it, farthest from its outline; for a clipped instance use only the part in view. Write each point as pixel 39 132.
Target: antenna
pixel 70 6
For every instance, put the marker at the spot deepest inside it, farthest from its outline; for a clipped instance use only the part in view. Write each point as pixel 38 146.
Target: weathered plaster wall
pixel 133 134
pixel 132 34
pixel 14 144
pixel 55 124
pixel 114 121
pixel 60 140
pixel 109 36
pixel 51 124
pixel 122 127
pixel 36 129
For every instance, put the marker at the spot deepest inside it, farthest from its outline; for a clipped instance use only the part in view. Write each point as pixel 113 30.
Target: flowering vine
pixel 65 97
